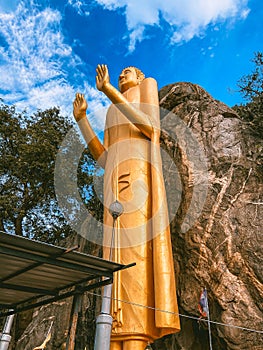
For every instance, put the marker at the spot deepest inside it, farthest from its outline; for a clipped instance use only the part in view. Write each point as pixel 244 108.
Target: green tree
pixel 251 113
pixel 28 146
pixel 251 88
pixel 251 85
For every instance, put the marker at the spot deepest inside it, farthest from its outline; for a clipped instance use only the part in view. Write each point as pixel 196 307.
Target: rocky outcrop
pixel 213 186
pixel 222 248
pixel 54 317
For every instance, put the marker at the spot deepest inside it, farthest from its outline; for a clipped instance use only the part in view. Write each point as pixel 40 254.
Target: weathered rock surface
pixel 222 249
pixel 214 188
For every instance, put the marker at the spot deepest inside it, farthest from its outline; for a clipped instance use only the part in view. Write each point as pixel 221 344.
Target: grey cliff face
pixel 213 187
pixel 222 250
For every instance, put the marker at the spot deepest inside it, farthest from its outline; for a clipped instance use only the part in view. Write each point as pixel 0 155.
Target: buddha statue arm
pixel 136 116
pixel 96 148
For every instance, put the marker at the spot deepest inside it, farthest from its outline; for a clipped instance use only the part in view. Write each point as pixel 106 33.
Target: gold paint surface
pixel 133 176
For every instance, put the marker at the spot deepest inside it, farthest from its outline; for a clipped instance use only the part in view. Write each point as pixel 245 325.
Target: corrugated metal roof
pixel 30 270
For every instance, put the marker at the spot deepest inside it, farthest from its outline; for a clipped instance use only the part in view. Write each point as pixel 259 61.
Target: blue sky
pixel 49 49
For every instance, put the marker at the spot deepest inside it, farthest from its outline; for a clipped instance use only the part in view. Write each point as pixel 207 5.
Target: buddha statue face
pixel 130 77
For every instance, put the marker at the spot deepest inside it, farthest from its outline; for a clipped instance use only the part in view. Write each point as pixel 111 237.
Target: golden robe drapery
pixel 133 176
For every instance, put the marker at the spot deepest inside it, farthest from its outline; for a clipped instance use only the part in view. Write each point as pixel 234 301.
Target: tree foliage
pixel 28 146
pixel 251 87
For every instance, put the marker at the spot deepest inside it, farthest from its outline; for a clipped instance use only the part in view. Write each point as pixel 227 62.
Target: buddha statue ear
pixel 140 79
pixel 140 75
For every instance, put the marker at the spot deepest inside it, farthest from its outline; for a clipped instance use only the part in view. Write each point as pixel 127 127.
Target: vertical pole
pixel 104 320
pixel 73 322
pixel 6 337
pixel 208 319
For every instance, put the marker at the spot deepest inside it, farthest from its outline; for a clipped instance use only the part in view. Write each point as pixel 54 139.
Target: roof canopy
pixel 31 270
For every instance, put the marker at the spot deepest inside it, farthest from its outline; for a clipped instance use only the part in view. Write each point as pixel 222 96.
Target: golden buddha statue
pixel 144 303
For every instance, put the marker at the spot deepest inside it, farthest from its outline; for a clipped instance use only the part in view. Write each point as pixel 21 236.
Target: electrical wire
pixel 179 314
pixel 182 315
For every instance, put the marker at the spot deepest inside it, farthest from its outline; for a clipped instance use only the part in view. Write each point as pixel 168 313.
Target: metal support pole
pixel 104 320
pixel 70 345
pixel 208 319
pixel 6 337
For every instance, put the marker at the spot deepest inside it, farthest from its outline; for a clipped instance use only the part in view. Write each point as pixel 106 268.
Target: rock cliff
pixel 221 249
pixel 213 187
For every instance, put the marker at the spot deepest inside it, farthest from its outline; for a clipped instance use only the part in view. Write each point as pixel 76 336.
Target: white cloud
pixel 97 107
pixel 187 18
pixel 244 13
pixel 79 6
pixel 35 62
pixel 51 94
pixel 136 36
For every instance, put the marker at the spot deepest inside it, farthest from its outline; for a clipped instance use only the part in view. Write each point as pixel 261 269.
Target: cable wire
pixel 179 314
pixel 182 315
